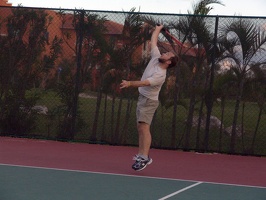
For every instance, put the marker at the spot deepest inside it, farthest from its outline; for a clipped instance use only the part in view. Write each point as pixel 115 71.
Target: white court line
pixel 127 175
pixel 179 191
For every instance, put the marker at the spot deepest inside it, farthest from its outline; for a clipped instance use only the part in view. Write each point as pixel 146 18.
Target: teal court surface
pixel 48 170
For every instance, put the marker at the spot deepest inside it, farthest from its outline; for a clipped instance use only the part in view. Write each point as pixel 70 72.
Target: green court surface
pixel 36 183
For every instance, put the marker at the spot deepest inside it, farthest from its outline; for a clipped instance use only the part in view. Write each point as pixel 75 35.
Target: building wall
pixel 59 27
pixel 5 3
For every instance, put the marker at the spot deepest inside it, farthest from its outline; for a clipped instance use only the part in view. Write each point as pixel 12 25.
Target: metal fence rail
pixel 60 72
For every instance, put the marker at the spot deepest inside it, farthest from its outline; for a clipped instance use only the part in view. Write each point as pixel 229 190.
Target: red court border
pixel 216 168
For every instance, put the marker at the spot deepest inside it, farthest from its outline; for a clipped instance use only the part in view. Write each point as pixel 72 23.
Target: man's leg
pixel 144 138
pixel 143 159
pixel 145 111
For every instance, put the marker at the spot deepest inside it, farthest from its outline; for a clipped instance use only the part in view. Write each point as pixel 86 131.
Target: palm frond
pixel 203 8
pixel 244 41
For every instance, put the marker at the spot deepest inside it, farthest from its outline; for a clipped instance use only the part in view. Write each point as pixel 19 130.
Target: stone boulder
pixel 214 122
pixel 40 109
pixel 228 130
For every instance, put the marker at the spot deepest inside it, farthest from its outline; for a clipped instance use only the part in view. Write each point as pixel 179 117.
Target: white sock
pixel 144 157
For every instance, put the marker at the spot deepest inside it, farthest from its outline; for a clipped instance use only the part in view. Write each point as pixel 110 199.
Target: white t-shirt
pixel 155 74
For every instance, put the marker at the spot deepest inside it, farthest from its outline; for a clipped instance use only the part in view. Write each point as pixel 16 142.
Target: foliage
pixel 221 74
pixel 22 62
pixel 244 42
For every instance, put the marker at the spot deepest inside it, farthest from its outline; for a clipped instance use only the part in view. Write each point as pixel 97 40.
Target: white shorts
pixel 145 109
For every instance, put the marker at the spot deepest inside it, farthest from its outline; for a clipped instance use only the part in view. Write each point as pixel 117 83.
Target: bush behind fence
pixel 60 72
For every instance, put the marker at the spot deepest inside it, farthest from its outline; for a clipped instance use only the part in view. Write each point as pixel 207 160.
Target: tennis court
pixel 40 170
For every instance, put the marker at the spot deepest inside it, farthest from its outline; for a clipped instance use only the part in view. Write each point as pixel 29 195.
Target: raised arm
pixel 154 40
pixel 155 34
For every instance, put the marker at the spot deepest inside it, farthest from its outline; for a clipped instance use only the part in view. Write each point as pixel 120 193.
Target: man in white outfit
pixel 149 87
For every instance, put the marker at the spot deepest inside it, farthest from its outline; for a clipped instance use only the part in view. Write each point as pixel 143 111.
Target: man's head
pixel 169 58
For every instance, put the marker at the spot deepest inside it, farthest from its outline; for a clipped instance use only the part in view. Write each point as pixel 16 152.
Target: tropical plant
pixel 195 31
pixel 90 48
pixel 256 93
pixel 244 44
pixel 224 84
pixel 23 58
pixel 123 64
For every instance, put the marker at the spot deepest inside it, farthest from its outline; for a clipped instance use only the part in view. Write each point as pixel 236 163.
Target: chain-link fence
pixel 60 72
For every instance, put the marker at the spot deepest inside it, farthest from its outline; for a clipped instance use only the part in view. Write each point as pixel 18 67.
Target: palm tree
pixel 258 92
pixel 246 43
pixel 94 29
pixel 22 59
pixel 122 64
pixel 196 30
pixel 223 84
pixel 88 30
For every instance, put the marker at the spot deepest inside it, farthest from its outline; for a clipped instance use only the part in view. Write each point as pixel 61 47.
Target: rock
pixel 228 130
pixel 40 109
pixel 214 122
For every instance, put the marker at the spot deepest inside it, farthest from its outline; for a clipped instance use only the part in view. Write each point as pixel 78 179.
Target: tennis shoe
pixel 140 163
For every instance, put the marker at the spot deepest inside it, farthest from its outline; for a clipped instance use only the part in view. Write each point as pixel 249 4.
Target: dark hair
pixel 174 61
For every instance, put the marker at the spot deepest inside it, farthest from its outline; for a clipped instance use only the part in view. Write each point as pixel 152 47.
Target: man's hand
pixel 124 84
pixel 159 26
pixel 155 34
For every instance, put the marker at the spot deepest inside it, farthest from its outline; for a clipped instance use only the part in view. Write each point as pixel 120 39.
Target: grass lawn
pixel 112 128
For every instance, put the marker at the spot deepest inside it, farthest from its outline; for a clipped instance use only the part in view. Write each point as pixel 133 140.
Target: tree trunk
pixel 176 95
pixel 242 126
pixel 116 138
pixel 96 115
pixel 234 124
pixel 113 117
pixel 199 125
pixel 103 138
pixel 127 119
pixel 189 120
pixel 256 130
pixel 222 122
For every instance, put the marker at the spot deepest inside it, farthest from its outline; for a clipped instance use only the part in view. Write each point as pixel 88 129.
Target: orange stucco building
pixel 5 3
pixel 60 27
